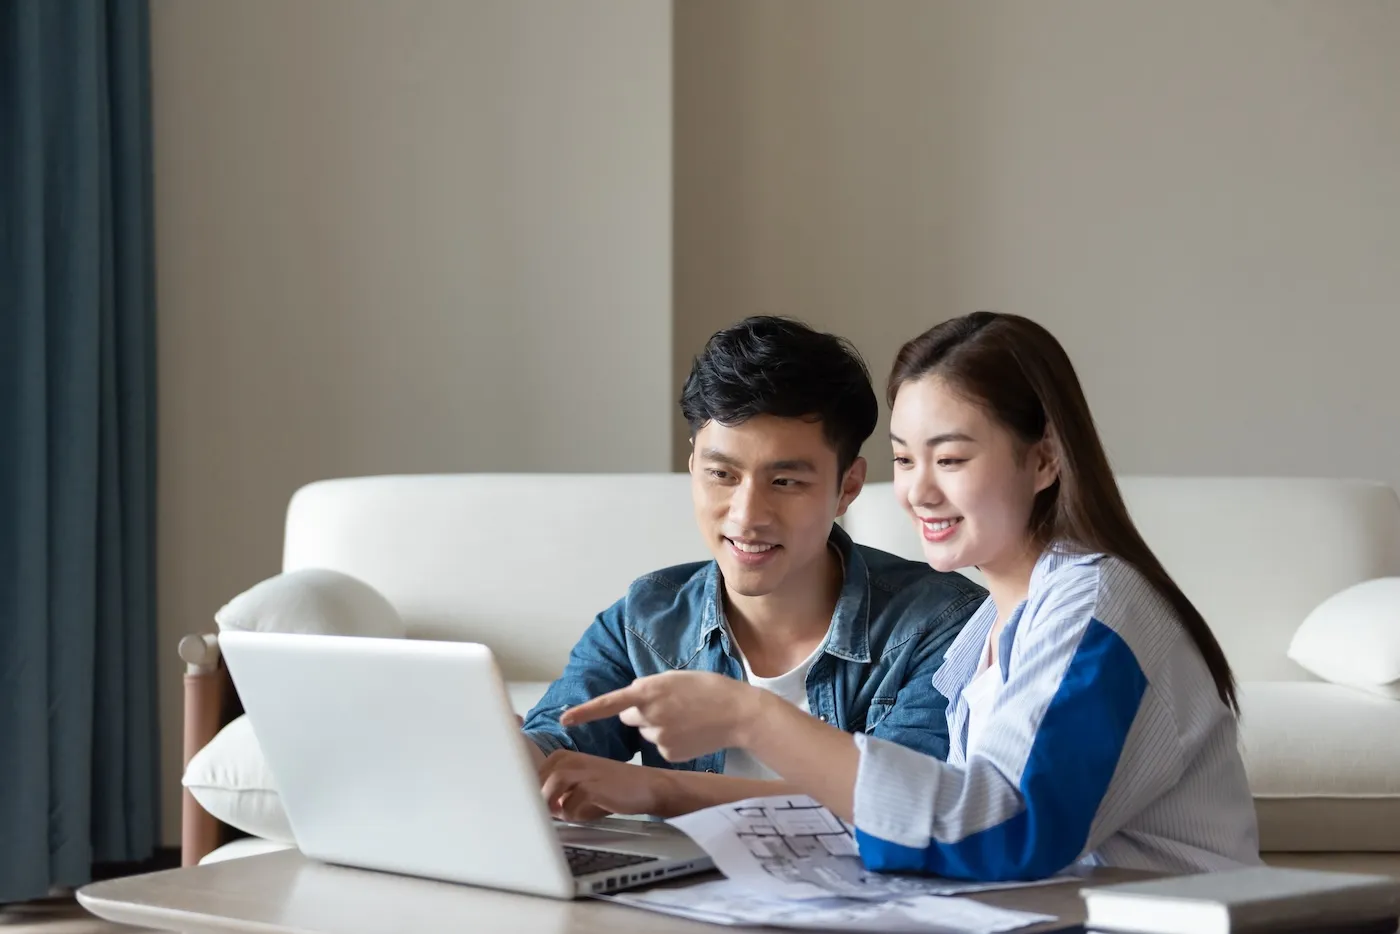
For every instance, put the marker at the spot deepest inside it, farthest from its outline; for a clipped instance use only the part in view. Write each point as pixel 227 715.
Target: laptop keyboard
pixel 584 861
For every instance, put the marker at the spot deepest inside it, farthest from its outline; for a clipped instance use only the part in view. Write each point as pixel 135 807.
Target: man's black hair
pixel 776 366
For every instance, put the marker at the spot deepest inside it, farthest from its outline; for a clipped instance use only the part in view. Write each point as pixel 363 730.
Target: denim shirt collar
pixel 849 635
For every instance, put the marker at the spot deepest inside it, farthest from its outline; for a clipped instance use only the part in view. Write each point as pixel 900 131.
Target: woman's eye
pixel 951 461
pixel 901 461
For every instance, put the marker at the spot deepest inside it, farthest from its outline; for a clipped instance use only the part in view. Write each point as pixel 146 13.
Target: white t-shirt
pixel 791 687
pixel 981 693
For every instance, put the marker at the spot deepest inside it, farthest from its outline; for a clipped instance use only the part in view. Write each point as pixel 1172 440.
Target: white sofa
pixel 522 562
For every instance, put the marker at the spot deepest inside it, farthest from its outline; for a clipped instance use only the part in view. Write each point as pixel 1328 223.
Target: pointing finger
pixel 601 707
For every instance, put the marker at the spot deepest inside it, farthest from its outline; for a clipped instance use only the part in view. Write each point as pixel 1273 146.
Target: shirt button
pixel 823 719
pixel 711 771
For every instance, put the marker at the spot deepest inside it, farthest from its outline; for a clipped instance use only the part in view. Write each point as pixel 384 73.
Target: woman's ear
pixel 1045 455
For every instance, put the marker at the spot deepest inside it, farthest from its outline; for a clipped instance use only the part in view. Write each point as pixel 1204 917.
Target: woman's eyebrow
pixel 937 439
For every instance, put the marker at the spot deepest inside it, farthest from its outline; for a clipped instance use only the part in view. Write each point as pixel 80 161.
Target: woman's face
pixel 965 479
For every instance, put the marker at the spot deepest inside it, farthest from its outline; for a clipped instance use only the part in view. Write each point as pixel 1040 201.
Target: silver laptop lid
pixel 399 755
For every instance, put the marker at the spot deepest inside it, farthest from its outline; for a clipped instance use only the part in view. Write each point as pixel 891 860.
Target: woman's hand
pixel 688 713
pixel 683 714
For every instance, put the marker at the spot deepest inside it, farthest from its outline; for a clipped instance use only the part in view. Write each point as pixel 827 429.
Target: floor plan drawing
pixel 781 828
pixel 726 902
pixel 790 846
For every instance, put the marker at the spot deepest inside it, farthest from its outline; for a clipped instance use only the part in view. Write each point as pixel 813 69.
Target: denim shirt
pixel 893 621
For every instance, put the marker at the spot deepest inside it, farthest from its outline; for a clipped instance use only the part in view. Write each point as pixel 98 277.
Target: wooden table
pixel 286 892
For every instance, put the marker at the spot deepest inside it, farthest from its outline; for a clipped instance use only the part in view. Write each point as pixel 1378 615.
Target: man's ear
pixel 1046 458
pixel 851 484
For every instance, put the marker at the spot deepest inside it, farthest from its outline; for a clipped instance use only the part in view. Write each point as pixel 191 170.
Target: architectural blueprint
pixel 790 847
pixel 726 902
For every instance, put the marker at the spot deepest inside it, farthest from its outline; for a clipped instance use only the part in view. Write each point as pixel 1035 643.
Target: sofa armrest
pixel 206 686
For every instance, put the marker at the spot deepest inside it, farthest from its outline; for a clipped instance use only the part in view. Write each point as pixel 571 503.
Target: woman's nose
pixel 924 489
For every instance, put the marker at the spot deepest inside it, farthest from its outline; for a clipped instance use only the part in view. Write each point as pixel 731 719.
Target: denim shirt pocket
pixel 879 708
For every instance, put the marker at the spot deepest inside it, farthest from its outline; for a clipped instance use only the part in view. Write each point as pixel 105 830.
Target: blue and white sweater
pixel 1107 744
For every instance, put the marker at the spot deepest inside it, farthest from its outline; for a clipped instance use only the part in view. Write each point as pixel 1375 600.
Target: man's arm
pixel 597 664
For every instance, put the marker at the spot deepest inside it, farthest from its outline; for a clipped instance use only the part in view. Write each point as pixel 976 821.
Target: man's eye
pixel 719 474
pixel 787 482
pixel 901 461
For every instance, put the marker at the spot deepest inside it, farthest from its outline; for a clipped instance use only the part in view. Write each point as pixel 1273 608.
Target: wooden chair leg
pixel 205 687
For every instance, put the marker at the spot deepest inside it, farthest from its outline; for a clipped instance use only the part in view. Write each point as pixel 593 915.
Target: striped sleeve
pixel 1023 804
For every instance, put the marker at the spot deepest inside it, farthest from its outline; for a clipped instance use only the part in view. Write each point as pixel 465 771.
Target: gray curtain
pixel 78 729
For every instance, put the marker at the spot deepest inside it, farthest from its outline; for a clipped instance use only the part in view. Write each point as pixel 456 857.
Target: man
pixel 852 635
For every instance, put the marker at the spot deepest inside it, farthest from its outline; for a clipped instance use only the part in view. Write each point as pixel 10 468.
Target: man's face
pixel 766 493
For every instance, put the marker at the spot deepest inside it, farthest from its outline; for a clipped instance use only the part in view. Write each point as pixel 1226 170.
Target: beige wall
pixel 402 236
pixel 1201 199
pixel 397 237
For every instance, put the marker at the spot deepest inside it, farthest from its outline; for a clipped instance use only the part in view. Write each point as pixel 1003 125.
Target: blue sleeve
pixel 599 663
pixel 1023 805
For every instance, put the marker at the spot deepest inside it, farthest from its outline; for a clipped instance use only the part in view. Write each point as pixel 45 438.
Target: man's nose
pixel 749 509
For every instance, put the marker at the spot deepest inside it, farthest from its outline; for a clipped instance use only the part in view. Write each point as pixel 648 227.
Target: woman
pixel 1092 714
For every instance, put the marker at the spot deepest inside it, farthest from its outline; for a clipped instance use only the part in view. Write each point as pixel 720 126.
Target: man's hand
pixel 684 714
pixel 577 786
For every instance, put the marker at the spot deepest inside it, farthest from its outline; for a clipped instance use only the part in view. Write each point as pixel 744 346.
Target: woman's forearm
pixel 683 792
pixel 685 714
pixel 811 756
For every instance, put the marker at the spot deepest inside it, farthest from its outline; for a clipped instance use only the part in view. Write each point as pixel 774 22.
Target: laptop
pixel 404 756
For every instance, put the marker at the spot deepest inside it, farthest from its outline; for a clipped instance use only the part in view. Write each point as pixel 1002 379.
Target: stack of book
pixel 1245 901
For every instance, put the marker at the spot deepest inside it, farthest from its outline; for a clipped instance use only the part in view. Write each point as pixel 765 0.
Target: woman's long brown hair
pixel 1019 373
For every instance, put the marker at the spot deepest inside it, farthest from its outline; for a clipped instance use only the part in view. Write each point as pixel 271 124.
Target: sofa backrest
pixel 521 562
pixel 1255 555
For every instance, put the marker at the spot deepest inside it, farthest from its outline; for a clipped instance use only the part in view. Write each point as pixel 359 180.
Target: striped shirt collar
pixel 964 656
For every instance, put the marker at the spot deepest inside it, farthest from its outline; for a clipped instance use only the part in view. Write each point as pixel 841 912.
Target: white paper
pixel 790 847
pixel 727 902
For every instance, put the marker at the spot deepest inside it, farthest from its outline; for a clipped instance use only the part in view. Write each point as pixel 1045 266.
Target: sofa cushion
pixel 244 846
pixel 1323 765
pixel 230 779
pixel 315 601
pixel 1353 638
